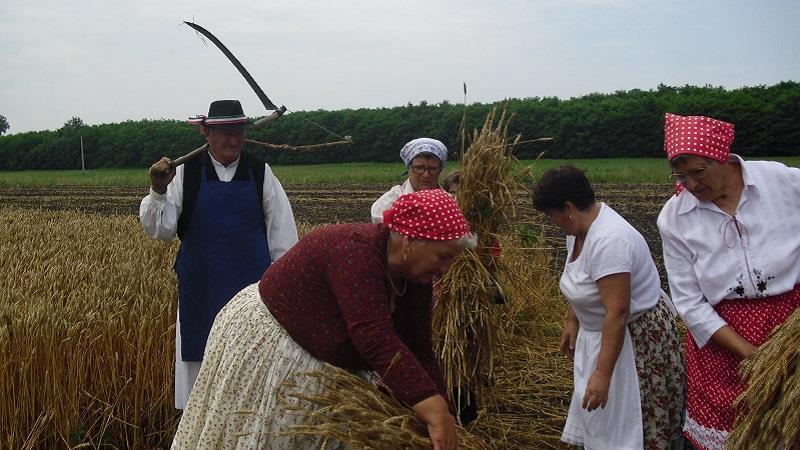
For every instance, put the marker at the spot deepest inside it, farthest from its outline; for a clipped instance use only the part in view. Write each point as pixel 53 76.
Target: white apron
pixel 619 424
pixel 185 371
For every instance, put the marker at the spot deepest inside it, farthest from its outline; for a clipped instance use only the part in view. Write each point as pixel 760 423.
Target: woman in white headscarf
pixel 424 159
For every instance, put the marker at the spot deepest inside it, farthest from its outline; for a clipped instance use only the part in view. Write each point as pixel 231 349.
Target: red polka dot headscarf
pixel 697 135
pixel 431 214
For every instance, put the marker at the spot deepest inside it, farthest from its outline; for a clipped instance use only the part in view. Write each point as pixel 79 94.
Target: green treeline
pixel 622 124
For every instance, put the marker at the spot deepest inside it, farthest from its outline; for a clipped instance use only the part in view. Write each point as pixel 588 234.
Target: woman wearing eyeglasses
pixel 732 255
pixel 424 159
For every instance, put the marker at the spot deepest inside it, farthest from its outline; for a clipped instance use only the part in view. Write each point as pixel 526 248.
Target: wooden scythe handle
pixel 277 113
pixel 187 157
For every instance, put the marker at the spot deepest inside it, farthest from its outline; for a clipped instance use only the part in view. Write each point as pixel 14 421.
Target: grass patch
pixel 95 177
pixel 617 170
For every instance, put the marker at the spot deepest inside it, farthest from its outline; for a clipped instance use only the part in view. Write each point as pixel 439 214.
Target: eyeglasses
pixel 696 174
pixel 419 170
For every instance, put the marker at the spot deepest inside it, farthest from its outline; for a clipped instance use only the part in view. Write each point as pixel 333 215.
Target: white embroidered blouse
pixel 711 256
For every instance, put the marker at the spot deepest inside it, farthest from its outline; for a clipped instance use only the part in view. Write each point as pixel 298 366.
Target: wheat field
pixel 86 328
pixel 87 311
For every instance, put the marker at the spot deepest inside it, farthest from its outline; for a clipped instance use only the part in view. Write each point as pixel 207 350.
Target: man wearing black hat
pixel 233 219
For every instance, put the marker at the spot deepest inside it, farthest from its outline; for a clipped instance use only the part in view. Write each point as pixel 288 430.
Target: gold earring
pixel 405 254
pixel 570 217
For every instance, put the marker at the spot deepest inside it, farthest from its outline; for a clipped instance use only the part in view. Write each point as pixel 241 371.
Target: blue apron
pixel 223 250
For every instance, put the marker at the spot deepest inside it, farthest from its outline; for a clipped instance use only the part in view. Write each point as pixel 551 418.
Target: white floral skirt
pixel 235 401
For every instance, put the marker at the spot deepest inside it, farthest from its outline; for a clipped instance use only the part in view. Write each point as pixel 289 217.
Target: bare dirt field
pixel 319 204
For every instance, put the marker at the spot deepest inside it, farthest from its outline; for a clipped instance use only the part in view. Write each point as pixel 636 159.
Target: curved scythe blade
pixel 261 95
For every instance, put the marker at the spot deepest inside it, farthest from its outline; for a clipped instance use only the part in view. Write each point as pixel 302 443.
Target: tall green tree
pixel 74 123
pixel 4 126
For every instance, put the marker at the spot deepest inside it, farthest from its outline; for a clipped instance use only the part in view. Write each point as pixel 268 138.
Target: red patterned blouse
pixel 332 295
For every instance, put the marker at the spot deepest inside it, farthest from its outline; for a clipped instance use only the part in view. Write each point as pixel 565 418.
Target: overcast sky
pixel 110 61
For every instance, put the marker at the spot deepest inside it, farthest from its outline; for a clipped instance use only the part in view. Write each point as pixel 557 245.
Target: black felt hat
pixel 223 114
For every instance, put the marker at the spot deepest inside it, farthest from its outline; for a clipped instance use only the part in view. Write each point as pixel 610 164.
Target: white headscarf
pixel 424 145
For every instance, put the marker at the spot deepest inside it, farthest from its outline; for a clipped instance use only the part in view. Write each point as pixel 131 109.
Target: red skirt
pixel 712 373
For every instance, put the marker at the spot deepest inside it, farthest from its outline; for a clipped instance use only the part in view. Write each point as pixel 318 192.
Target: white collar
pixel 232 165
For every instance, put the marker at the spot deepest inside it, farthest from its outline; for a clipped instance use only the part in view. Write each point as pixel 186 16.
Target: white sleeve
pixel 159 213
pixel 278 217
pixel 609 254
pixel 694 309
pixel 383 203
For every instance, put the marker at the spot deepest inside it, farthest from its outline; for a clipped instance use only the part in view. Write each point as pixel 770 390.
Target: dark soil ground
pixel 319 204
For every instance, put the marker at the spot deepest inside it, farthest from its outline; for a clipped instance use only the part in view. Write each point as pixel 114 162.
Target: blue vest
pixel 223 250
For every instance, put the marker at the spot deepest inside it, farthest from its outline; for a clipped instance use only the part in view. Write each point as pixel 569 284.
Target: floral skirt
pixel 712 373
pixel 645 404
pixel 236 402
pixel 659 364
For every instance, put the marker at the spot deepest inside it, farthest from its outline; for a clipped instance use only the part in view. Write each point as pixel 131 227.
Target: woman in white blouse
pixel 628 372
pixel 731 237
pixel 424 159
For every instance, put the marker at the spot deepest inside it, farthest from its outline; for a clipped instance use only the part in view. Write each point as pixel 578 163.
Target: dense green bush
pixel 622 124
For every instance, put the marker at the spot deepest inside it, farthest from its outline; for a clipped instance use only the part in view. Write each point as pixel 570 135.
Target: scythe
pixel 256 88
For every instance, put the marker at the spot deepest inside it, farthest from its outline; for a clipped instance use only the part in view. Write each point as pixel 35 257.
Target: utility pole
pixel 83 167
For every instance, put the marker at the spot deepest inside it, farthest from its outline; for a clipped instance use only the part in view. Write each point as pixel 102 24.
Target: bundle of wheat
pixel 465 318
pixel 527 404
pixel 353 411
pixel 506 354
pixel 524 408
pixel 771 403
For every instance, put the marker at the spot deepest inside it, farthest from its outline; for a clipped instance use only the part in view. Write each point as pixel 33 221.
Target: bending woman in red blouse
pixel 357 296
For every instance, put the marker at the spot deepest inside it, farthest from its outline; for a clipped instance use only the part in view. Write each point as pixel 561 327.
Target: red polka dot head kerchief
pixel 431 214
pixel 697 135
